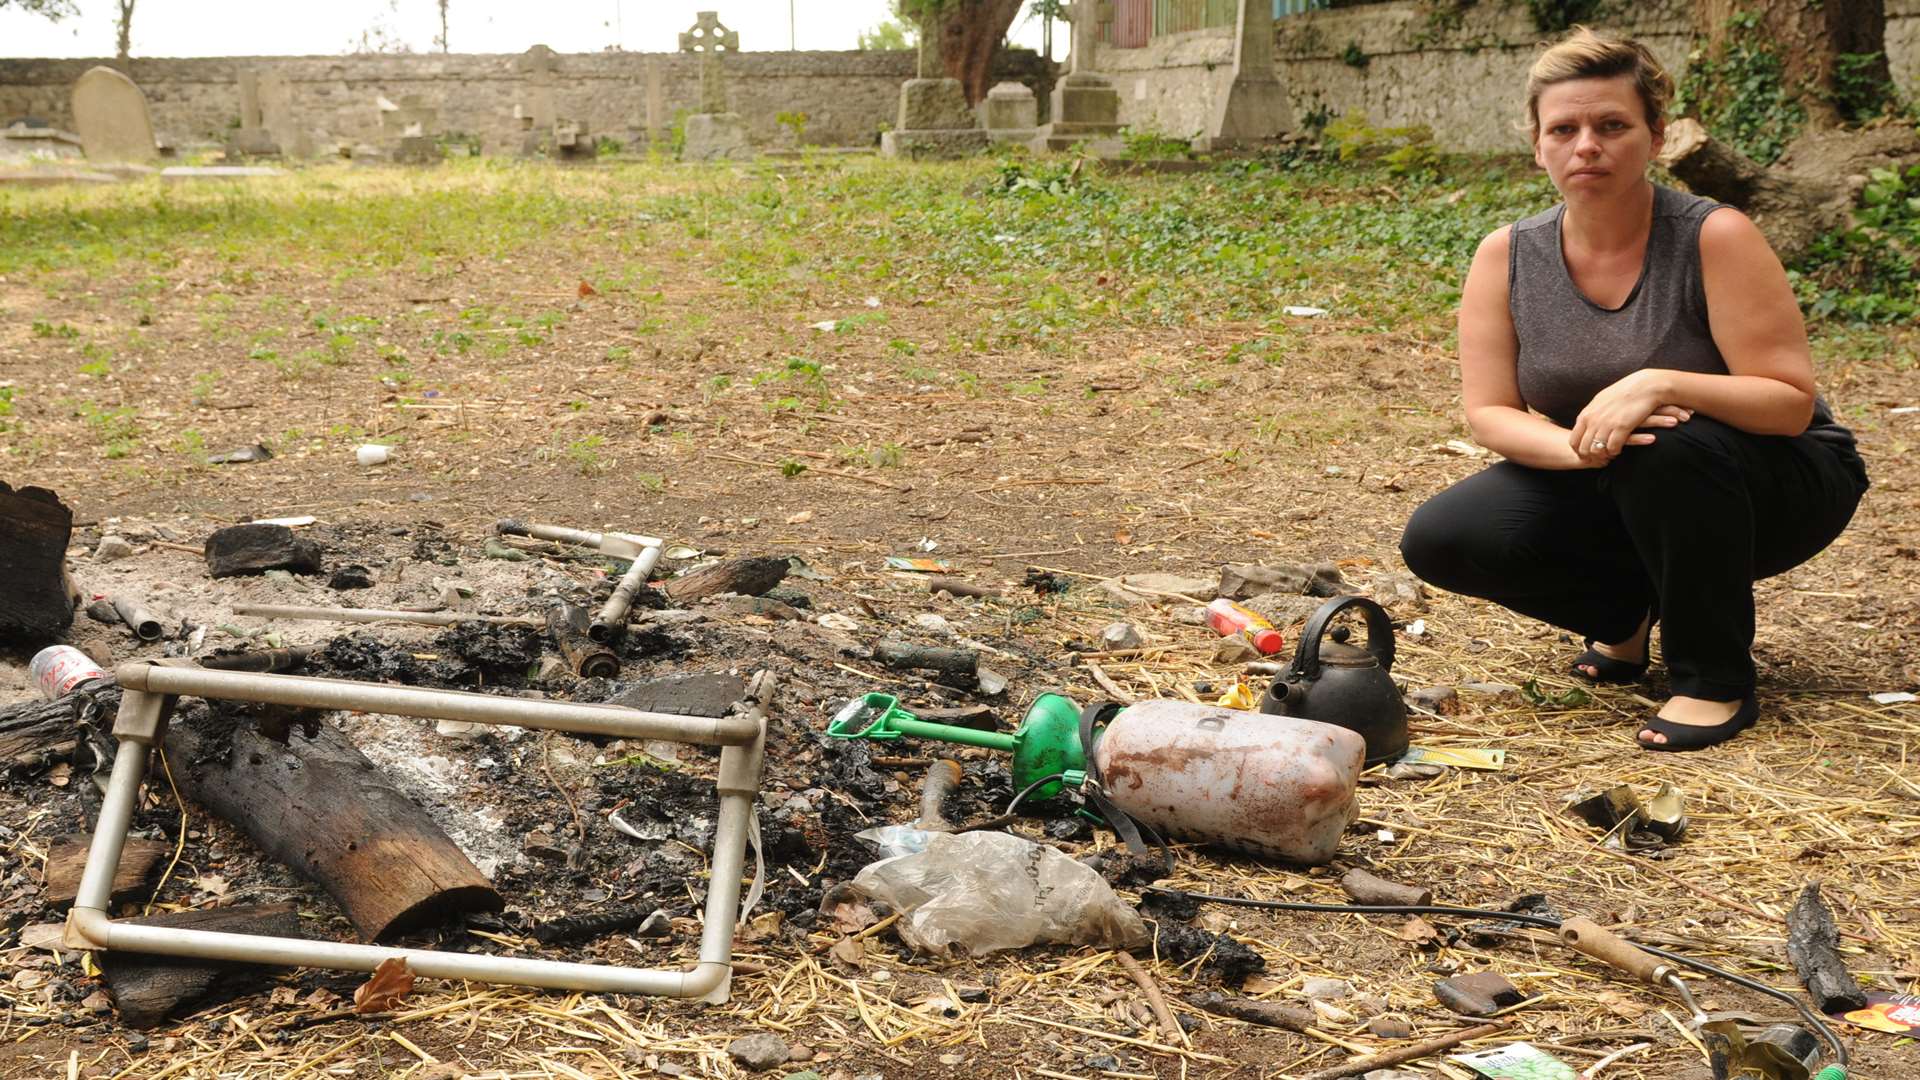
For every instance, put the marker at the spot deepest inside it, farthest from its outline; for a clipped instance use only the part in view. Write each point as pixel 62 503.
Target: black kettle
pixel 1344 685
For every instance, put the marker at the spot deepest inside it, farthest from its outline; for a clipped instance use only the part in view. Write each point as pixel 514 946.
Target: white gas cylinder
pixel 1274 786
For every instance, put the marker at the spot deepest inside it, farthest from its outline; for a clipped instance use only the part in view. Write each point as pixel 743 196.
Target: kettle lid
pixel 1340 654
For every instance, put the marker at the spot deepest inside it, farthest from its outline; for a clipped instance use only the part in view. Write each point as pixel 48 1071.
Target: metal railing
pixel 148 690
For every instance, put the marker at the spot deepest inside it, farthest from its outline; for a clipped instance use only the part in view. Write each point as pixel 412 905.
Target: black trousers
pixel 1681 528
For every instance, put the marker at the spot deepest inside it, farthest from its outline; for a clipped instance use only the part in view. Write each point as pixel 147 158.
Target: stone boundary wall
pixel 1465 81
pixel 847 96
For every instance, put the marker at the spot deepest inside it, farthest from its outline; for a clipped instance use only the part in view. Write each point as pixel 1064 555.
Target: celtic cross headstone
pixel 709 40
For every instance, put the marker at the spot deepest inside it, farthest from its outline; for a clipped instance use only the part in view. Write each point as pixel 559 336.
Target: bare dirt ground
pixel 669 398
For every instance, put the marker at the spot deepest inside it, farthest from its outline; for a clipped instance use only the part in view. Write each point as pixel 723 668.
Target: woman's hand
pixel 1617 417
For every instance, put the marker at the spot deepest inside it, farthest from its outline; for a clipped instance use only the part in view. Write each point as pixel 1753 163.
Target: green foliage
pixel 1740 97
pixel 801 378
pixel 891 34
pixel 115 428
pixel 1860 90
pixel 1154 146
pixel 1403 150
pixel 1024 176
pixel 45 329
pixel 1353 57
pixel 1557 16
pixel 1867 273
pixel 794 121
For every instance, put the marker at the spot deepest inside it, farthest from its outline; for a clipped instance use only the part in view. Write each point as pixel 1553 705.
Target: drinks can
pixel 57 669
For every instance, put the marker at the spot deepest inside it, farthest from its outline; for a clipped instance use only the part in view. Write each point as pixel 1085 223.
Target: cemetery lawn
pixel 999 363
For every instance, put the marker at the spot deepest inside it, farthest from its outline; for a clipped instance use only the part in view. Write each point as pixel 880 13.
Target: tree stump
pixel 317 804
pixel 34 732
pixel 36 606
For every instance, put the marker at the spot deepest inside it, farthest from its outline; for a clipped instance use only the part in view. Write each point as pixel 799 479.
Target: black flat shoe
pixel 1606 668
pixel 1684 737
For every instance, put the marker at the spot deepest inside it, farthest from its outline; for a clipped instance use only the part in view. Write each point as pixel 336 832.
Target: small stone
pixel 1327 989
pixel 799 1052
pixel 1389 1027
pixel 759 1052
pixel 97 1003
pixel 954 1058
pixel 112 547
pixel 541 846
pixel 971 994
pixel 657 925
pixel 992 683
pixel 1121 635
pixel 256 549
pixel 351 577
pixel 1444 700
pixel 1103 1062
pixel 137 1043
pixel 1235 650
pixel 933 624
pixel 459 729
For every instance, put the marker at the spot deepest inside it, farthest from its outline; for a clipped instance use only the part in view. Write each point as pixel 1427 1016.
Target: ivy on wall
pixel 1740 97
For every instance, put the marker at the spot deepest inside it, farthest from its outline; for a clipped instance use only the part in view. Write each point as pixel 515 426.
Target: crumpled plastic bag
pixel 982 892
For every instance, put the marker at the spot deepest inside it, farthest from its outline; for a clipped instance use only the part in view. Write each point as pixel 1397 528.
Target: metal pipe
pixel 116 814
pixel 138 618
pixel 619 545
pixel 613 615
pixel 139 724
pixel 315 693
pixel 348 614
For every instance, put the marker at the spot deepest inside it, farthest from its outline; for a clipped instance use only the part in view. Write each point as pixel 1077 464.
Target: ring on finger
pixel 1599 444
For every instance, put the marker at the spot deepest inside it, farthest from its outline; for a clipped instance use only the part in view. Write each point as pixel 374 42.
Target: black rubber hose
pixel 1818 1023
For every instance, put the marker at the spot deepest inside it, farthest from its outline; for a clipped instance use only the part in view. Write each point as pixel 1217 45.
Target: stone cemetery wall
pixel 847 96
pixel 1463 79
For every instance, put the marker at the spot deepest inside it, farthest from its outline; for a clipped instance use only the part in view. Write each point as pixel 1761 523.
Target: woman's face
pixel 1593 138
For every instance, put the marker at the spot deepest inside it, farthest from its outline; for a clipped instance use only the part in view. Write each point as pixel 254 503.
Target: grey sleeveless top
pixel 1572 348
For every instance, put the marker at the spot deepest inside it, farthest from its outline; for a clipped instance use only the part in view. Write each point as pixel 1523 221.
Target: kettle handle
pixel 1306 655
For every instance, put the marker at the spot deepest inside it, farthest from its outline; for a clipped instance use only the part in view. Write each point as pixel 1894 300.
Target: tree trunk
pixel 126 28
pixel 971 31
pixel 1809 39
pixel 317 804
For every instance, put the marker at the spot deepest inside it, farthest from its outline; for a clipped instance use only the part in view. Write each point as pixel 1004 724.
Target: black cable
pixel 1030 788
pixel 1840 1056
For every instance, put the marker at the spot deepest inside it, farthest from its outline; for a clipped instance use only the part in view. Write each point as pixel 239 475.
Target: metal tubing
pixel 88 925
pixel 613 615
pixel 116 814
pixel 619 545
pixel 314 693
pixel 348 614
pixel 138 618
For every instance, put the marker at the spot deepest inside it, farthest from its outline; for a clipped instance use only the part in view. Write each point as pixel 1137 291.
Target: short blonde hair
pixel 1584 54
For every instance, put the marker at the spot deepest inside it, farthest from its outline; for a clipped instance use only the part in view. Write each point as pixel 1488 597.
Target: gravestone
pixel 1255 108
pixel 536 110
pixel 413 130
pixel 656 104
pixel 1085 104
pixel 934 120
pixel 111 113
pixel 30 140
pixel 252 139
pixel 276 115
pixel 713 133
pixel 1013 115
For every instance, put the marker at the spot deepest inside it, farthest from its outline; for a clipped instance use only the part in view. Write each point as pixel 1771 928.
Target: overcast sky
pixel 287 28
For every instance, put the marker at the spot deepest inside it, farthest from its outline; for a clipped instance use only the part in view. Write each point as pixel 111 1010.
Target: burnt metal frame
pixel 150 689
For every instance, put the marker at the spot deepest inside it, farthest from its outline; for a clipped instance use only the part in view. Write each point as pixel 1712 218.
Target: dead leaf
pixel 1419 931
pixel 850 916
pixel 1123 535
pixel 60 775
pixel 383 990
pixel 763 927
pixel 1621 1005
pixel 848 951
pixel 284 995
pixel 587 290
pixel 213 885
pixel 800 518
pixel 320 998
